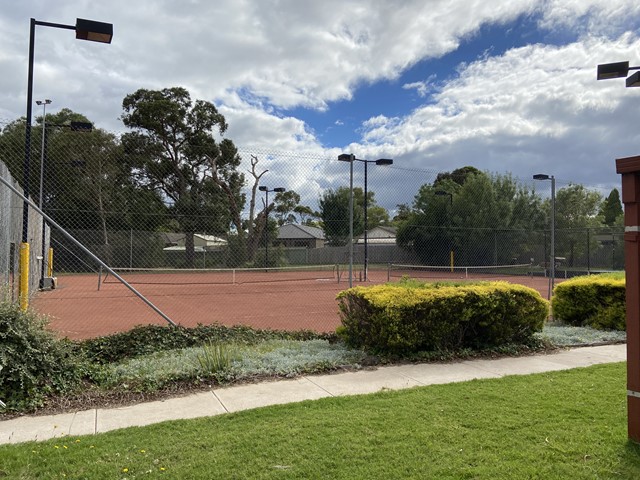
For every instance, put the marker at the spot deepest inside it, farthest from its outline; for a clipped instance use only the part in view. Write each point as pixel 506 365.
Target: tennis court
pixel 288 299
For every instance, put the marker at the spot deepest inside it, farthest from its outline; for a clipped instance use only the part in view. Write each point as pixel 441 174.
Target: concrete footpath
pixel 243 397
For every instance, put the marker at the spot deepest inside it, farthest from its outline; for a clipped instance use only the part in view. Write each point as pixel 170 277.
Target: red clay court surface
pixel 78 310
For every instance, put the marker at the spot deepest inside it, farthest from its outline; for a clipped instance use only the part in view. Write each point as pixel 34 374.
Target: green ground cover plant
pixel 558 425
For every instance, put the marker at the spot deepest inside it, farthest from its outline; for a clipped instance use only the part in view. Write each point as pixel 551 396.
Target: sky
pixel 504 86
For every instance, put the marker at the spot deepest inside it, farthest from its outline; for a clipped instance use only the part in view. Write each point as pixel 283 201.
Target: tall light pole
pixel 266 191
pixel 44 104
pixel 629 168
pixel 552 269
pixel 442 193
pixel 345 157
pixel 85 30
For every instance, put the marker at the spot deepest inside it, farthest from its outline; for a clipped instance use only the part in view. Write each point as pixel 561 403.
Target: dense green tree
pixel 458 176
pixel 173 151
pixel 86 185
pixel 334 212
pixel 485 219
pixel 611 209
pixel 306 215
pixel 576 211
pixel 285 205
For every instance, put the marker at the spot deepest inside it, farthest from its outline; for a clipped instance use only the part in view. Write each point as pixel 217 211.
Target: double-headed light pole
pixel 349 157
pixel 266 191
pixel 552 263
pixel 85 30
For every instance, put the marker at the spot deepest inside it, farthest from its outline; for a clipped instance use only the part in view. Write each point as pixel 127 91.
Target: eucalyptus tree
pixel 176 148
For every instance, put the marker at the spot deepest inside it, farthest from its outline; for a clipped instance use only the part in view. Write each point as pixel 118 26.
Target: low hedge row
pixel 597 301
pixel 146 339
pixel 408 318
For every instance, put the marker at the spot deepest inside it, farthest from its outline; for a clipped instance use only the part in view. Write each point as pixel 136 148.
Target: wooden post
pixel 629 168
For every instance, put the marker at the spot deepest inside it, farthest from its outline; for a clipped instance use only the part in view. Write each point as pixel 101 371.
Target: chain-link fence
pixel 241 236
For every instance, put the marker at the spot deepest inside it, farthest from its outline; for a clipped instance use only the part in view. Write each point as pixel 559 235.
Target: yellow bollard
pixel 24 276
pixel 50 263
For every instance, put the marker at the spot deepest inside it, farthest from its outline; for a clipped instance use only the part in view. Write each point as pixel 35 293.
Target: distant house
pixel 379 236
pixel 294 235
pixel 201 242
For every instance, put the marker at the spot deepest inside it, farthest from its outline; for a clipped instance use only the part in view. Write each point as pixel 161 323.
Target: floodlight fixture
pixel 619 70
pixel 93 31
pixel 613 70
pixel 634 80
pixel 384 161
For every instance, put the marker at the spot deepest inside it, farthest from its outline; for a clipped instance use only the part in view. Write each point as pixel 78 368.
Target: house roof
pixel 293 230
pixel 179 239
pixel 380 235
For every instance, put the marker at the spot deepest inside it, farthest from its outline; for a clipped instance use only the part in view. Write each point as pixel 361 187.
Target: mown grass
pixel 560 425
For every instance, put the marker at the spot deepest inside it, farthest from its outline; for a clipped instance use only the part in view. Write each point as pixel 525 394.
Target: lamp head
pixel 93 31
pixel 262 188
pixel 634 80
pixel 541 176
pixel 384 161
pixel 346 157
pixel 279 189
pixel 613 70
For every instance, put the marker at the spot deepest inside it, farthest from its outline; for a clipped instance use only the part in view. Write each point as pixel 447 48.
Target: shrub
pixel 597 301
pixel 407 318
pixel 34 362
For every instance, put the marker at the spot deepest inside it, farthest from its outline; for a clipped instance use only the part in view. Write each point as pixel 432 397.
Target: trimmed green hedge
pixel 597 301
pixel 408 318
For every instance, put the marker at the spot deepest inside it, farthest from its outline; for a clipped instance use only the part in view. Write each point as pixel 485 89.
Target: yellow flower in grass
pixel 125 470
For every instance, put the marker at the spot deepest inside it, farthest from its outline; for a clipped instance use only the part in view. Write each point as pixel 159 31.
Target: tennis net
pixel 221 276
pixel 448 272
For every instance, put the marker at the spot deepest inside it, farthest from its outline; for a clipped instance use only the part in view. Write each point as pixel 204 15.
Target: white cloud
pixel 534 108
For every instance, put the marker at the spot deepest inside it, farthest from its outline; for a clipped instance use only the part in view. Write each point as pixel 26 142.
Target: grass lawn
pixel 560 425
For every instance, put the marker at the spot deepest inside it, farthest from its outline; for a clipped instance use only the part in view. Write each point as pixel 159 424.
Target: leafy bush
pixel 34 362
pixel 147 339
pixel 409 317
pixel 597 301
